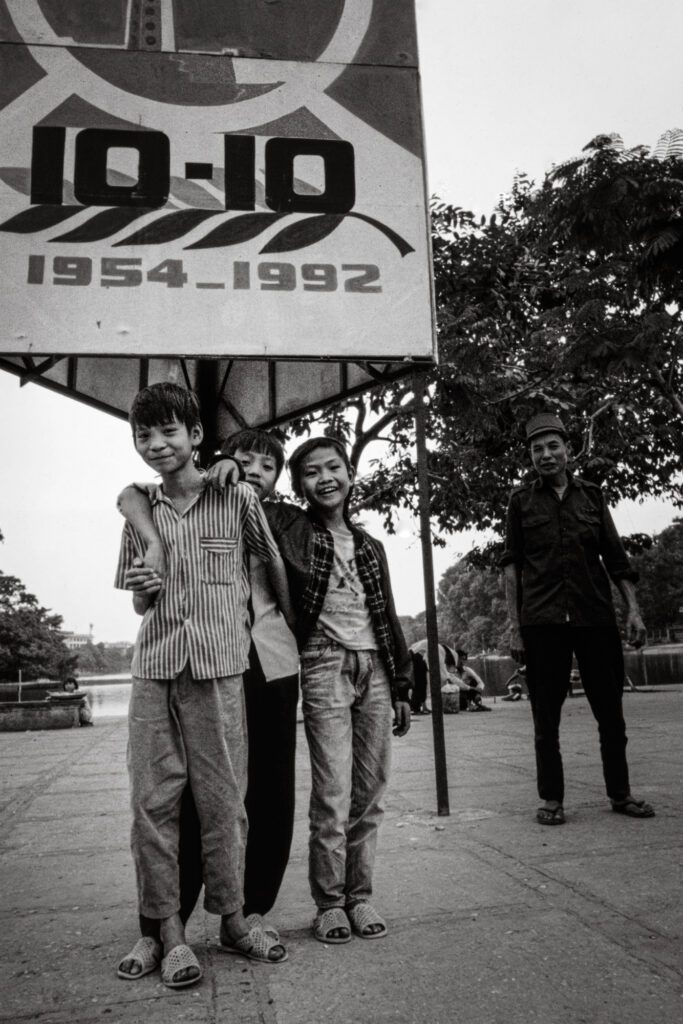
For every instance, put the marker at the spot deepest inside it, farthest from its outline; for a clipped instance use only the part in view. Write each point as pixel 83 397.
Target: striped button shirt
pixel 200 615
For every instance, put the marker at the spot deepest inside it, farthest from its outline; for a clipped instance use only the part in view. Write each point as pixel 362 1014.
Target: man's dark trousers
pixel 599 655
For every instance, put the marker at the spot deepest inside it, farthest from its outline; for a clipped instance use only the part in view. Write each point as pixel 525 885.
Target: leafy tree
pixel 565 299
pixel 472 612
pixel 660 588
pixel 30 639
pixel 98 659
pixel 414 627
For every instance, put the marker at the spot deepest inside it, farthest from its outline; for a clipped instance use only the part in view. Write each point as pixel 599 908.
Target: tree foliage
pixel 566 299
pixel 98 659
pixel 30 640
pixel 660 588
pixel 472 611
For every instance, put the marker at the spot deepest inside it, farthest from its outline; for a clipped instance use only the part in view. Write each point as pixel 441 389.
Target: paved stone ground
pixel 493 919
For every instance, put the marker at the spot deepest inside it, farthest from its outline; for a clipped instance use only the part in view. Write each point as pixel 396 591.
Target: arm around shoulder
pixel 134 505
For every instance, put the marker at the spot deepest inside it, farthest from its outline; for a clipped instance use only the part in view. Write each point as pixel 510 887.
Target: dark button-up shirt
pixel 565 550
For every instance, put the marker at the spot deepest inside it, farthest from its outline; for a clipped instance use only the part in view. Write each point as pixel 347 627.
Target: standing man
pixel 561 551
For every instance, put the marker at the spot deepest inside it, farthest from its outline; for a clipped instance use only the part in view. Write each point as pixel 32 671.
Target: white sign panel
pixel 195 177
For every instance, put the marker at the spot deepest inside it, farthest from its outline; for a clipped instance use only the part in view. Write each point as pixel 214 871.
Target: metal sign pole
pixel 430 603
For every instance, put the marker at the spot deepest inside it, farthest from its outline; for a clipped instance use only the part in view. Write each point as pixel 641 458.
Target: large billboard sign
pixel 204 178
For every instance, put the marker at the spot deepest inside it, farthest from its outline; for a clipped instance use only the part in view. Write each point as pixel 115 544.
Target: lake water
pixel 109 695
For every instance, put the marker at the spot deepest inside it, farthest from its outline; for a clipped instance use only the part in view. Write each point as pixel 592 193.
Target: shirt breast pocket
pixel 538 530
pixel 588 520
pixel 219 562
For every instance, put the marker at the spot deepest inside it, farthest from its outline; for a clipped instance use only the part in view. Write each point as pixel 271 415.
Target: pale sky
pixel 507 85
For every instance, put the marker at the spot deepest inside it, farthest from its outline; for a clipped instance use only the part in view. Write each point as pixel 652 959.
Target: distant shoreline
pixel 114 679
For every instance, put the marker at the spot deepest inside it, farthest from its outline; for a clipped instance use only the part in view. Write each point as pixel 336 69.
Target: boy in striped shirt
pixel 186 717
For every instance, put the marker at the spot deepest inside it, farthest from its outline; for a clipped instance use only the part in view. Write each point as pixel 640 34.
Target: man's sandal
pixel 256 945
pixel 179 959
pixel 363 916
pixel 331 920
pixel 633 808
pixel 551 816
pixel 147 953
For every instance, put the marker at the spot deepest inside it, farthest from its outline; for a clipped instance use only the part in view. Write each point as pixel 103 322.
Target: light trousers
pixel 183 730
pixel 347 717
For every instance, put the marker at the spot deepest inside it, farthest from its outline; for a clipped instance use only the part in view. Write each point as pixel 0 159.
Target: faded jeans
pixel 178 730
pixel 347 716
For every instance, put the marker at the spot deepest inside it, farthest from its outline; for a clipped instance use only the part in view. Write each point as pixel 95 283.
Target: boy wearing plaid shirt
pixel 186 716
pixel 354 667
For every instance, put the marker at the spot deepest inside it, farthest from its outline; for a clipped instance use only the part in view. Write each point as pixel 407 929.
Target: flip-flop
pixel 361 916
pixel 327 921
pixel 548 816
pixel 256 945
pixel 633 808
pixel 178 959
pixel 146 952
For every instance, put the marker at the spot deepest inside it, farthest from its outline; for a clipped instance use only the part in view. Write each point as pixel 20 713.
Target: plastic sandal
pixel 362 915
pixel 256 945
pixel 178 959
pixel 546 816
pixel 634 808
pixel 257 921
pixel 146 952
pixel 326 921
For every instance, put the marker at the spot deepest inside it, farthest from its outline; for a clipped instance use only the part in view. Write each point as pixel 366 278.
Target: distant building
pixel 75 640
pixel 119 645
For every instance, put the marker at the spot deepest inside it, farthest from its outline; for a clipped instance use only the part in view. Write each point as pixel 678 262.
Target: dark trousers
pixel 271 727
pixel 599 655
pixel 418 694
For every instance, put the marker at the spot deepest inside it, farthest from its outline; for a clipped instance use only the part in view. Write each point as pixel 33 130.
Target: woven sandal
pixel 178 959
pixel 256 945
pixel 147 953
pixel 257 921
pixel 362 915
pixel 326 921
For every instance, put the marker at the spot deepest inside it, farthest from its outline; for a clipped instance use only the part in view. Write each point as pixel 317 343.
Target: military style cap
pixel 543 423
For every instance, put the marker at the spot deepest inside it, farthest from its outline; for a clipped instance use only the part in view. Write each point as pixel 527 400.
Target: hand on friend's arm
pixel 145 584
pixel 224 473
pixel 134 505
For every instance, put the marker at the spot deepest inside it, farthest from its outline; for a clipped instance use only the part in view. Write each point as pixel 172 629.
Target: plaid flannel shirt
pixel 308 552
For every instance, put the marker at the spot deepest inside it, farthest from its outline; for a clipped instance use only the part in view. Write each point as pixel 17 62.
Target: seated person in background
pixel 84 712
pixel 471 685
pixel 420 692
pixel 514 687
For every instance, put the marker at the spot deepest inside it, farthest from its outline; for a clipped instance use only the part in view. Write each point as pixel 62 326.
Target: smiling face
pixel 166 447
pixel 549 456
pixel 325 480
pixel 260 470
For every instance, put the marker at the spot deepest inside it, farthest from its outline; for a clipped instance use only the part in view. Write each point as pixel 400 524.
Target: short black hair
pixel 260 441
pixel 163 403
pixel 313 443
